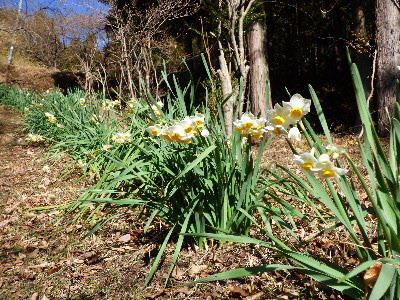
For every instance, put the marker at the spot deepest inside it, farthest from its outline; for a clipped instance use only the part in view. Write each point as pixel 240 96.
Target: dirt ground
pixel 44 256
pixel 39 78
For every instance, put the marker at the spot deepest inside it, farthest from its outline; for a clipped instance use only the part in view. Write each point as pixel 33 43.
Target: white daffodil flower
pixel 34 138
pixel 294 134
pixel 325 168
pixel 122 138
pixel 280 116
pixel 50 118
pixel 324 158
pixel 82 101
pixel 205 133
pixel 250 125
pixel 306 161
pixel 188 124
pixel 178 134
pixel 94 119
pixel 155 130
pixel 80 164
pixel 336 150
pixel 198 120
pixel 106 147
pixel 297 106
pixel 131 106
pixel 46 169
pixel 277 129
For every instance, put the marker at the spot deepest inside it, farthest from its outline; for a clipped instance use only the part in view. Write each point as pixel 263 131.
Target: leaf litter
pixel 44 256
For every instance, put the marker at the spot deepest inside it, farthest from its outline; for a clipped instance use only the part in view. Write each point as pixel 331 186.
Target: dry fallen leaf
pixel 371 276
pixel 177 273
pixel 53 270
pixel 35 296
pixel 238 290
pixel 196 269
pixel 33 254
pixel 125 238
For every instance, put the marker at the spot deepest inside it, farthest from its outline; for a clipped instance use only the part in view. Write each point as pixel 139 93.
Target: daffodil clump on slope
pixel 180 131
pixel 324 166
pixel 282 120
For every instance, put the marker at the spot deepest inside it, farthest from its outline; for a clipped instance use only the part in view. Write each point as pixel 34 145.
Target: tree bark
pixel 388 47
pixel 227 90
pixel 259 72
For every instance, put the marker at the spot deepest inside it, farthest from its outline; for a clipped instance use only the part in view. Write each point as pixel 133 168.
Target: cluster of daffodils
pixel 106 147
pixel 80 164
pixel 155 108
pixel 248 125
pixel 94 119
pixel 52 119
pixel 34 138
pixel 324 166
pixel 131 106
pixel 122 138
pixel 180 131
pixel 108 104
pixel 281 120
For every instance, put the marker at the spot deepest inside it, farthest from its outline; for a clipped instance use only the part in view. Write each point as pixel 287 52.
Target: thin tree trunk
pixel 388 46
pixel 13 34
pixel 259 73
pixel 226 87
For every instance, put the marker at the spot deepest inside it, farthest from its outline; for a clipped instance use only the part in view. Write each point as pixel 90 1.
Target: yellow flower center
pixel 154 132
pixel 276 131
pixel 259 127
pixel 188 129
pixel 296 112
pixel 256 135
pixel 278 120
pixel 186 142
pixel 247 125
pixel 307 166
pixel 239 129
pixel 199 123
pixel 328 173
pixel 176 137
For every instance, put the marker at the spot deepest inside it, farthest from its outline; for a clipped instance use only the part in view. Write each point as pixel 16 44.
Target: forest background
pixel 275 47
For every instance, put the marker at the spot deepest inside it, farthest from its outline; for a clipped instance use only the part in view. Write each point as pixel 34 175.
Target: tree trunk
pixel 227 91
pixel 388 47
pixel 259 73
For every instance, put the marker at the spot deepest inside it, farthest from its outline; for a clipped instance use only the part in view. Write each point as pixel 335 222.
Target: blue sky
pixel 86 6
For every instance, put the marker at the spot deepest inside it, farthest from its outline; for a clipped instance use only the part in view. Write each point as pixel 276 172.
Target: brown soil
pixel 44 256
pixel 37 78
